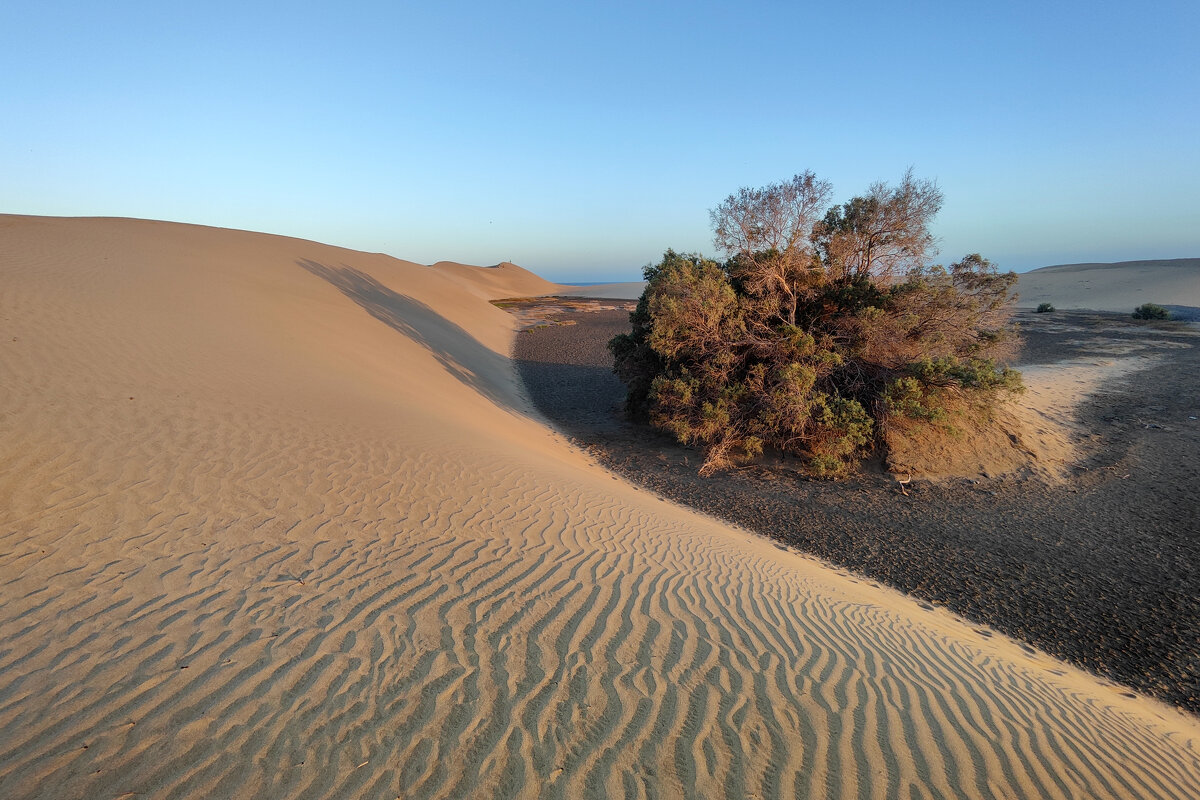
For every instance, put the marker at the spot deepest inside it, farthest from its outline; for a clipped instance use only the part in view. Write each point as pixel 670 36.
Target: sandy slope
pixel 276 521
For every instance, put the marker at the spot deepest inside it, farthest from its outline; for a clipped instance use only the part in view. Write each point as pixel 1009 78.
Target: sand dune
pixel 1121 286
pixel 277 521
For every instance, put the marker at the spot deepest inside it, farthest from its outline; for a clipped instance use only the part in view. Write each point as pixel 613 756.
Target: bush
pixel 1151 311
pixel 815 331
pixel 1044 308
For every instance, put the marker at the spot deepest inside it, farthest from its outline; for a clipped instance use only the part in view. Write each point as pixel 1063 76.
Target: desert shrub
pixel 1151 311
pixel 1044 308
pixel 816 329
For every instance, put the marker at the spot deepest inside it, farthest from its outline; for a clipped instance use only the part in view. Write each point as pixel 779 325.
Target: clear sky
pixel 582 139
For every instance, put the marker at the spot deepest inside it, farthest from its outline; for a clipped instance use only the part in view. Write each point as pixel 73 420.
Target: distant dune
pixel 277 520
pixel 1121 286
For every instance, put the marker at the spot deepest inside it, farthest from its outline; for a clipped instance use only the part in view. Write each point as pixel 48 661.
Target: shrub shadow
pixel 580 400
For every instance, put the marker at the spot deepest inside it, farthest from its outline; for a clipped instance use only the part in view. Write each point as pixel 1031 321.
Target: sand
pixel 276 520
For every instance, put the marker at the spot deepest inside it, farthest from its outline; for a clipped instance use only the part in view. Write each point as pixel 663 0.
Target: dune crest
pixel 276 520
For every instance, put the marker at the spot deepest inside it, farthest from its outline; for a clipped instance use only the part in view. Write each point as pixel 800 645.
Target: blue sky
pixel 582 139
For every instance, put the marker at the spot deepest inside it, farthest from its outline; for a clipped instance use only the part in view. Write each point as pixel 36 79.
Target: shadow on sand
pixel 457 351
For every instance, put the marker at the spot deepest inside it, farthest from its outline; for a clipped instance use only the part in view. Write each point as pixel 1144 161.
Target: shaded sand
pixel 276 521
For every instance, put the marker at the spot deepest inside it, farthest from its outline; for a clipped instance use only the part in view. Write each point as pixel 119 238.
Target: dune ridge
pixel 1085 266
pixel 276 520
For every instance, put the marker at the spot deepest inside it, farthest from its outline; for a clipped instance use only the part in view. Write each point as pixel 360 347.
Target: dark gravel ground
pixel 1103 571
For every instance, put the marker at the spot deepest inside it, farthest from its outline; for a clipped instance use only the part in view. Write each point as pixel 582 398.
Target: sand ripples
pixel 513 645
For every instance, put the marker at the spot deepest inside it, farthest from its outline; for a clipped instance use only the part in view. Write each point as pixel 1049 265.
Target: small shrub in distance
pixel 1151 311
pixel 1045 308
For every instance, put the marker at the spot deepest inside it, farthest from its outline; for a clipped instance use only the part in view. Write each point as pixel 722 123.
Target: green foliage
pixel 842 430
pixel 1151 311
pixel 909 397
pixel 810 343
pixel 971 373
pixel 1044 308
